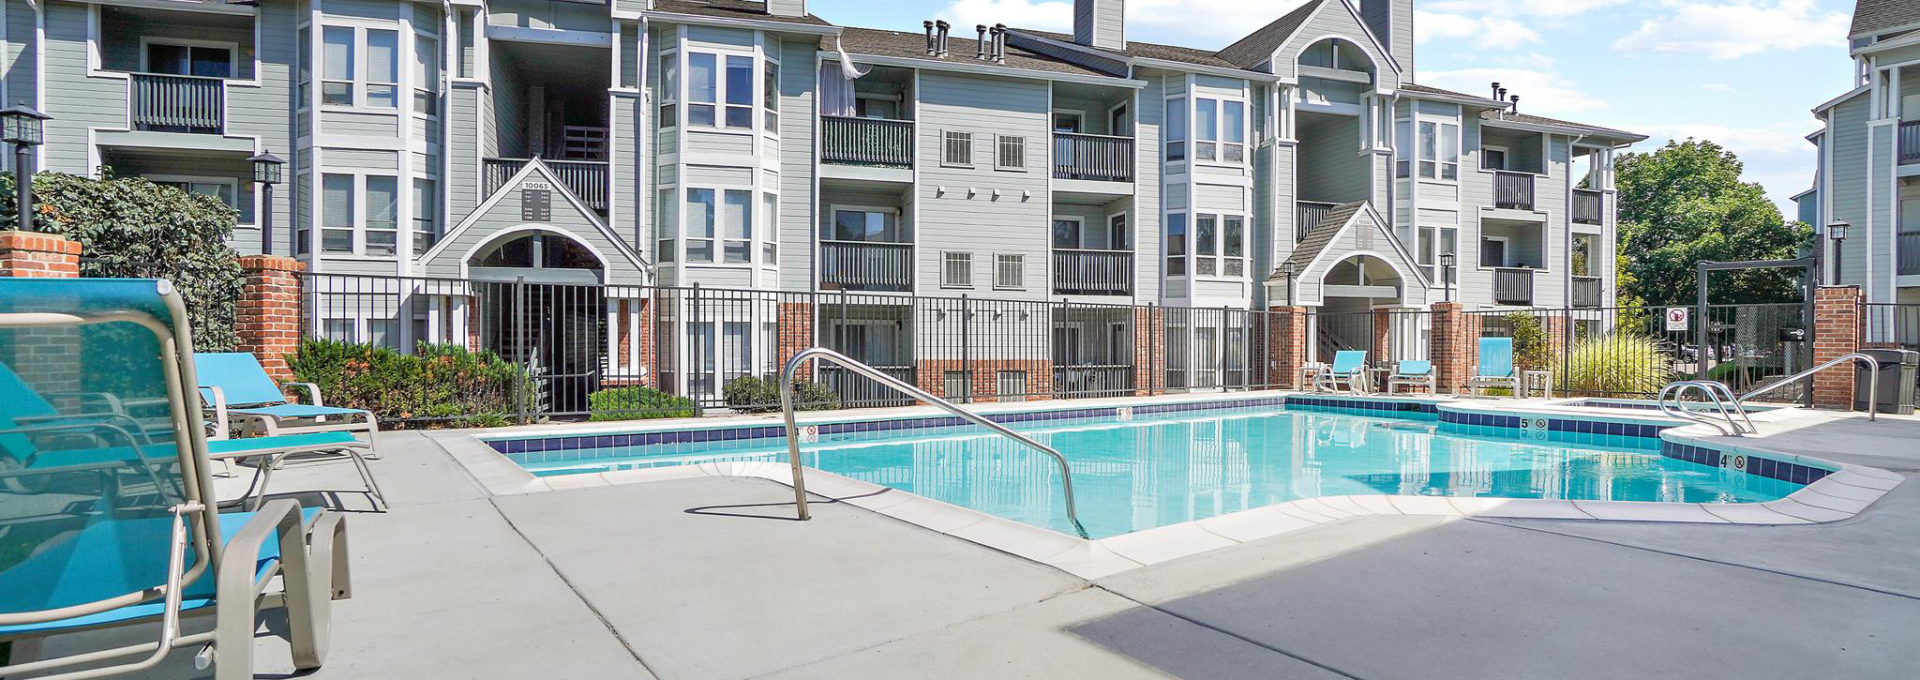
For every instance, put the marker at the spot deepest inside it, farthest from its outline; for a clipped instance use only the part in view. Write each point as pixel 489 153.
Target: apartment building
pixel 743 145
pixel 1867 178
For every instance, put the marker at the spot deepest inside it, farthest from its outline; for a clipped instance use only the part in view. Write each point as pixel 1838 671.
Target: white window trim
pixel 1077 113
pixel 1132 123
pixel 1220 255
pixel 720 239
pixel 944 283
pixel 997 164
pixel 719 103
pixel 1506 154
pixel 1022 283
pixel 1219 130
pixel 232 48
pixel 1186 259
pixel 1080 231
pixel 1186 138
pixel 1459 141
pixel 438 92
pixel 232 183
pixel 1108 226
pixel 833 212
pixel 403 58
pixel 1506 250
pixel 973 149
pixel 669 96
pixel 1546 157
pixel 402 219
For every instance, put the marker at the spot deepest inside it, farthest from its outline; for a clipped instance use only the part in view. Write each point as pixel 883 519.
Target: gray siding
pixel 504 216
pixel 1011 224
pixel 797 116
pixel 1339 169
pixel 1330 20
pixel 79 103
pixel 18 54
pixel 624 219
pixel 463 174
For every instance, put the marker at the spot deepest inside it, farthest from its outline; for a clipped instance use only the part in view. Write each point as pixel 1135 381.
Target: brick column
pixel 1149 350
pixel 796 335
pixel 1453 347
pixel 1836 331
pixel 267 317
pixel 1382 347
pixel 1287 345
pixel 37 255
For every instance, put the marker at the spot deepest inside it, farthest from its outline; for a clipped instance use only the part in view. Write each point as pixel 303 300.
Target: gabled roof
pixel 1425 89
pixel 1259 45
pixel 1530 119
pixel 1146 50
pixel 543 171
pixel 1874 16
pixel 959 51
pixel 732 9
pixel 1322 234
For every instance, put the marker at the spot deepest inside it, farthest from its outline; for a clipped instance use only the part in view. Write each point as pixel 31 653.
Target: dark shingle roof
pixel 1418 88
pixel 1872 16
pixel 731 9
pixel 1259 45
pixel 959 51
pixel 1321 235
pixel 1147 50
pixel 1527 118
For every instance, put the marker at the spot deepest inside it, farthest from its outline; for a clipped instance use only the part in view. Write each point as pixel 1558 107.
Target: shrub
pixel 748 394
pixel 435 384
pixel 1619 363
pixel 1531 351
pixel 129 227
pixel 638 403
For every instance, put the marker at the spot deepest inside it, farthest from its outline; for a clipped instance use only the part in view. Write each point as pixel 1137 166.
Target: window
pixel 1450 245
pixel 303 67
pixel 1234 245
pixel 1439 150
pixel 955 385
pixel 770 229
pixel 1117 236
pixel 739 226
pixel 426 75
pixel 1012 153
pixel 1176 129
pixel 426 208
pixel 336 79
pixel 1205 244
pixel 739 92
pixel 1176 244
pixel 1233 119
pixel 1423 250
pixel 856 224
pixel 702 86
pixel 223 189
pixel 700 223
pixel 380 333
pixel 1066 232
pixel 1219 245
pixel 1206 128
pixel 1403 149
pixel 382 226
pixel 956 270
pixel 959 148
pixel 1583 254
pixel 1009 271
pixel 770 94
pixel 667 226
pixel 1010 385
pixel 338 329
pixel 669 89
pixel 336 213
pixel 383 68
pixel 181 59
pixel 1493 158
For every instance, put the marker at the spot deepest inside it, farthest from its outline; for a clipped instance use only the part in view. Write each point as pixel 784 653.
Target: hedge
pixel 437 384
pixel 638 403
pixel 748 394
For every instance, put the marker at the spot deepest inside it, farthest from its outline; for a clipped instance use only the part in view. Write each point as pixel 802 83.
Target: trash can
pixel 1897 367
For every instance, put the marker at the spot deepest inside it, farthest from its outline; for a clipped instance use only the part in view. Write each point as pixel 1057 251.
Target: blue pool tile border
pixel 1786 471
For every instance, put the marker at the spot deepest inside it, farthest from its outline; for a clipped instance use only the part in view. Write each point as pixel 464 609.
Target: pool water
pixel 1160 470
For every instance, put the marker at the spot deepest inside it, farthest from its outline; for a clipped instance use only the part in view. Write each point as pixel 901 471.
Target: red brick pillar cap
pixel 38 242
pixel 271 263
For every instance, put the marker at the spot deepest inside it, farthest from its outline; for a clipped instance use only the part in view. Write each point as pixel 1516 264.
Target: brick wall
pixel 1836 331
pixel 1453 346
pixel 1382 347
pixel 1287 345
pixel 931 375
pixel 796 336
pixel 1149 350
pixel 31 254
pixel 47 359
pixel 267 316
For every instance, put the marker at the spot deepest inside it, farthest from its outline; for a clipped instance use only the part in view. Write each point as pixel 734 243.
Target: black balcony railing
pixel 1588 206
pixel 1092 272
pixel 1907 249
pixel 1094 157
pixel 1586 291
pixel 1513 190
pixel 1513 286
pixel 167 103
pixel 866 141
pixel 586 179
pixel 1909 142
pixel 866 266
pixel 1308 214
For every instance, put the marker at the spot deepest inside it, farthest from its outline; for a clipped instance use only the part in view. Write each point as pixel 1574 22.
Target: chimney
pixel 1100 23
pixel 981 52
pixel 1496 89
pixel 1392 22
pixel 999 43
pixel 1516 103
pixel 940 37
pixel 929 26
pixel 787 8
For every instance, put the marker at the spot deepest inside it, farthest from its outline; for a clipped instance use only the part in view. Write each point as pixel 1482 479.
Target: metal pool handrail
pixel 1713 391
pixel 793 432
pixel 1873 381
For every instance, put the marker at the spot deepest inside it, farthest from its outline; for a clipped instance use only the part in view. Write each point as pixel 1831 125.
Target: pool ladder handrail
pixel 793 431
pixel 1713 390
pixel 1873 380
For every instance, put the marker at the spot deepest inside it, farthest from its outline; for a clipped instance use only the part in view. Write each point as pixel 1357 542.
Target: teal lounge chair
pixel 1349 367
pixel 1495 366
pixel 79 553
pixel 1411 374
pixel 236 385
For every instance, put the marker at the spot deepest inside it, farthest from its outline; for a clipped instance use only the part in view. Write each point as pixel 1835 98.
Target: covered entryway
pixel 541 305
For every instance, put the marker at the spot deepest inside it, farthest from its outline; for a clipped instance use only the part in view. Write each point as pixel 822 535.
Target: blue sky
pixel 1743 73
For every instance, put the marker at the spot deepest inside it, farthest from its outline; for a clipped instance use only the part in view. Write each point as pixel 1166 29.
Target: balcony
pixel 1512 286
pixel 1307 215
pixel 866 266
pixel 1588 206
pixel 1909 137
pixel 1092 272
pixel 1586 291
pixel 586 179
pixel 164 103
pixel 875 142
pixel 1513 191
pixel 1099 158
pixel 1907 249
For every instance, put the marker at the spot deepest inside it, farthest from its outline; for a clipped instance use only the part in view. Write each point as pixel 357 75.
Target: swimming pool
pixel 1133 472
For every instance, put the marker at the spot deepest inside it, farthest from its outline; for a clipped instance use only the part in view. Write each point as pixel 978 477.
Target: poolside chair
pixel 1350 367
pixel 78 553
pixel 1411 374
pixel 1496 366
pixel 236 385
pixel 271 452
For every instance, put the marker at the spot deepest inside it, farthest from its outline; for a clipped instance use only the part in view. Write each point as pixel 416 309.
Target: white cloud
pixel 1197 23
pixel 1740 140
pixel 1541 91
pixel 1044 15
pixel 1737 29
pixel 1718 87
pixel 1515 8
pixel 1493 33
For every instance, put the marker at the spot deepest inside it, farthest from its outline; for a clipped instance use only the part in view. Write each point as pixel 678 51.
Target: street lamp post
pixel 1838 232
pixel 266 171
pixel 1282 273
pixel 1446 276
pixel 20 126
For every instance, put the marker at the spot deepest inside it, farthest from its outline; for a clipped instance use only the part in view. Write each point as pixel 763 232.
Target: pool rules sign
pixel 1676 319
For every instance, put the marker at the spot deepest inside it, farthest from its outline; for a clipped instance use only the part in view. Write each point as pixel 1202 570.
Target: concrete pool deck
pixel 710 578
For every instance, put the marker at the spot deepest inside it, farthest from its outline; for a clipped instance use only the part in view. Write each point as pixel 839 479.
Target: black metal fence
pixel 1634 351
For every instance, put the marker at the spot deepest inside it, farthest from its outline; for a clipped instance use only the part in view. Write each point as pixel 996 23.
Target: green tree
pixel 129 227
pixel 1685 203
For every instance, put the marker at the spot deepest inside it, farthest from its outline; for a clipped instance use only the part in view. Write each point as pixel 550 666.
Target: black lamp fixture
pixel 1446 275
pixel 1282 273
pixel 266 171
pixel 20 126
pixel 1838 232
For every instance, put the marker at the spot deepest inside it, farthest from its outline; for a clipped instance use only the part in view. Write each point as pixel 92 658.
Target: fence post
pixel 1220 345
pixel 1287 344
pixel 1154 361
pixel 266 318
pixel 966 346
pixel 1836 332
pixel 1451 348
pixel 520 345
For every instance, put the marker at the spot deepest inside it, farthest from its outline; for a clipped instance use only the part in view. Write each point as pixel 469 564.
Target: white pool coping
pixel 1838 496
